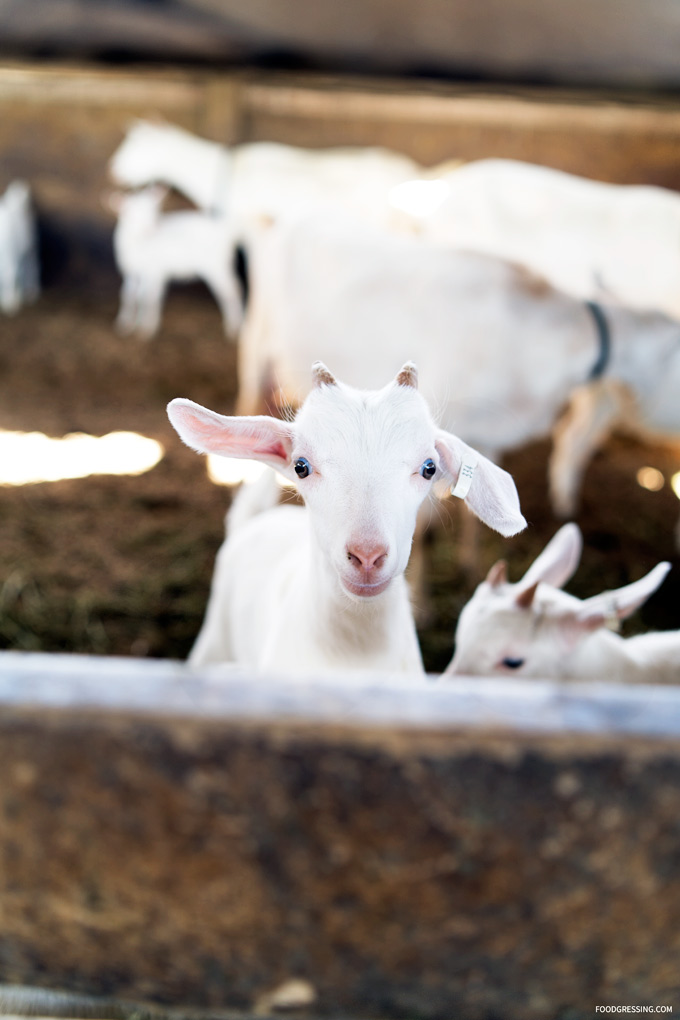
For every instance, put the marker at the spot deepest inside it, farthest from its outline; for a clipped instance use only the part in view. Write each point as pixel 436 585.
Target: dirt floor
pixel 121 566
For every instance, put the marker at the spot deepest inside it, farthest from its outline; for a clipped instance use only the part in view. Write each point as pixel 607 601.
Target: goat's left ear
pixel 488 490
pixel 256 437
pixel 558 561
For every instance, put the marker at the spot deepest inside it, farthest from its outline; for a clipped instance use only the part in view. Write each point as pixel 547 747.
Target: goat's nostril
pixel 367 559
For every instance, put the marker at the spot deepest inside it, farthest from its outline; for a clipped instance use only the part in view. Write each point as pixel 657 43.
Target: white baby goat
pixel 153 248
pixel 322 588
pixel 19 276
pixel 532 629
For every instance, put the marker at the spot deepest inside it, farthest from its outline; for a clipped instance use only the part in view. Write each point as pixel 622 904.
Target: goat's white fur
pixel 589 238
pixel 259 177
pixel 499 349
pixel 19 273
pixel 555 635
pixel 288 592
pixel 153 248
pixel 593 240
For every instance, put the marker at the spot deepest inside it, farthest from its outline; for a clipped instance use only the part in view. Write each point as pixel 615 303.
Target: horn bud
pixel 524 599
pixel 321 376
pixel 498 574
pixel 408 376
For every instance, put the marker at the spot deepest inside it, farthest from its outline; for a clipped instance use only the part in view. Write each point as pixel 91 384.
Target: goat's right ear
pixel 558 561
pixel 488 490
pixel 257 437
pixel 617 605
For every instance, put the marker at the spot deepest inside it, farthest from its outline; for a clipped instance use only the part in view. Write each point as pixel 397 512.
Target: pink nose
pixel 366 558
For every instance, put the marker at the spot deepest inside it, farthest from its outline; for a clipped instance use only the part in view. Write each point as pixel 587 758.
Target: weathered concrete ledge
pixel 170 688
pixel 407 848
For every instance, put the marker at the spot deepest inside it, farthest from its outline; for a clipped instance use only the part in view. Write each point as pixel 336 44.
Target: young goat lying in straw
pixel 532 629
pixel 322 587
pixel 153 248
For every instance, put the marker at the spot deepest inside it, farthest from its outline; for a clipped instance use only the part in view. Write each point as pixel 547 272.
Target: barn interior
pixel 173 843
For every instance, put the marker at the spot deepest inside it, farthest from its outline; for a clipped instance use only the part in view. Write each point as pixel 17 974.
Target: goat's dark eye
pixel 428 469
pixel 511 663
pixel 302 467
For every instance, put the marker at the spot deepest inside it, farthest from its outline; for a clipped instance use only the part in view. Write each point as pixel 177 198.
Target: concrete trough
pixel 403 848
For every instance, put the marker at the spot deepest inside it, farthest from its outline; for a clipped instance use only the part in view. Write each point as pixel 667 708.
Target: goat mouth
pixel 366 590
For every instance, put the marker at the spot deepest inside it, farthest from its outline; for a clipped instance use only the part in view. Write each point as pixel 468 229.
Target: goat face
pixel 363 475
pixel 363 461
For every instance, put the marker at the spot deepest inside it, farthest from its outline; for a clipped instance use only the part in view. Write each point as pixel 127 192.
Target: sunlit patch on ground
pixel 30 457
pixel 230 471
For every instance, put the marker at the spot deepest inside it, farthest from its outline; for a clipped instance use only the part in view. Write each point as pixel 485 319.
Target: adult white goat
pixel 595 241
pixel 591 239
pixel 499 349
pixel 258 177
pixel 322 588
pixel 153 248
pixel 532 629
pixel 19 274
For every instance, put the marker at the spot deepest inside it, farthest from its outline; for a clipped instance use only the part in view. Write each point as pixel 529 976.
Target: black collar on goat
pixel 604 337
